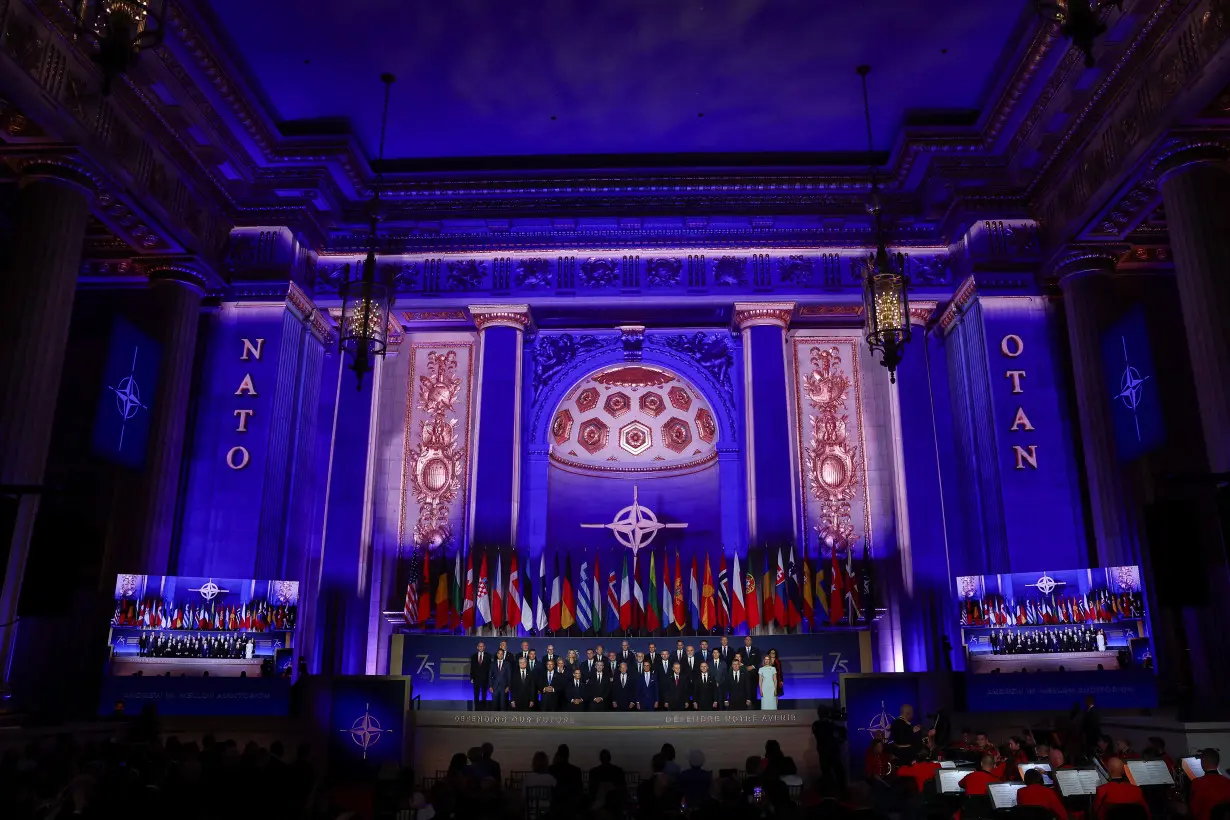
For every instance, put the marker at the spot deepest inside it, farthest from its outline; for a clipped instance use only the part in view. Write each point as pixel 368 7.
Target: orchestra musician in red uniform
pixel 1116 792
pixel 1036 793
pixel 1209 790
pixel 976 782
pixel 878 762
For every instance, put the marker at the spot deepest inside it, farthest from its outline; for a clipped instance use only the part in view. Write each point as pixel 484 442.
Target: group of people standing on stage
pixel 1035 642
pixel 624 680
pixel 161 645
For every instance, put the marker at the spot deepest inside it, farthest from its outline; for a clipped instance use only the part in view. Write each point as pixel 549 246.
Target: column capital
pixel 515 316
pixel 61 171
pixel 1185 155
pixel 754 314
pixel 1077 261
pixel 921 312
pixel 184 271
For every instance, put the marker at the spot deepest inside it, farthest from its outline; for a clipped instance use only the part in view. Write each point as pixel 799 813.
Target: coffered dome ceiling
pixel 633 418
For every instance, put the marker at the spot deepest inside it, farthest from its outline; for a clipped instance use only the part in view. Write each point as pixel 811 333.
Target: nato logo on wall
pixel 1131 384
pixel 122 422
pixel 367 721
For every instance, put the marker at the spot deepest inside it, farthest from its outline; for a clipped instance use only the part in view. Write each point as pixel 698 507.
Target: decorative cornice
pixel 412 316
pixel 1184 155
pixel 1086 260
pixel 58 170
pixel 922 311
pixel 307 311
pixel 851 310
pixel 515 316
pixel 185 272
pixel 755 314
pixel 956 306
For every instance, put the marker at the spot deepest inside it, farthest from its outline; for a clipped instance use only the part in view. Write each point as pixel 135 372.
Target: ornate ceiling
pixel 633 418
pixel 633 82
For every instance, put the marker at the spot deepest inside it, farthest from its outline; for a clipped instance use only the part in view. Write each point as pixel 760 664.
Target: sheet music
pixel 1073 782
pixel 947 764
pixel 1149 773
pixel 1003 795
pixel 950 780
pixel 1024 767
pixel 1192 768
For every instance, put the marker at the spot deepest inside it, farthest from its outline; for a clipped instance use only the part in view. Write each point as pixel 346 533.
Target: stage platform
pixel 124 665
pixel 1045 662
pixel 726 738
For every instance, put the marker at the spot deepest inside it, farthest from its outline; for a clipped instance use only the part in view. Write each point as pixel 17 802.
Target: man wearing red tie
pixel 675 690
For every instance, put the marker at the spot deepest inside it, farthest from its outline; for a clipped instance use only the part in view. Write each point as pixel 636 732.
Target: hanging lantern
pixel 118 31
pixel 886 303
pixel 367 294
pixel 363 334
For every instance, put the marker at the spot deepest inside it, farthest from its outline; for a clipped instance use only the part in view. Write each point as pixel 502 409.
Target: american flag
pixel 412 586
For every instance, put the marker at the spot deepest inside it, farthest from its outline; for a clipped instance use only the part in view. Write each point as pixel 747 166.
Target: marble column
pixel 1195 187
pixel 770 444
pixel 147 518
pixel 37 290
pixel 496 460
pixel 922 591
pixel 1088 288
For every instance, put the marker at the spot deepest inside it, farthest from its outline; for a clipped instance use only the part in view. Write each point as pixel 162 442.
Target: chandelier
pixel 118 31
pixel 885 298
pixel 367 295
pixel 1079 21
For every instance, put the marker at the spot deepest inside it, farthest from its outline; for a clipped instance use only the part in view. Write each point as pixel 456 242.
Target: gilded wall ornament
pixel 831 459
pixel 438 463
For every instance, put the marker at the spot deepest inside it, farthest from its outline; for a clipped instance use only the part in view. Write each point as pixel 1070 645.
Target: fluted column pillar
pixel 1085 278
pixel 495 500
pixel 1195 187
pixel 51 212
pixel 148 519
pixel 770 474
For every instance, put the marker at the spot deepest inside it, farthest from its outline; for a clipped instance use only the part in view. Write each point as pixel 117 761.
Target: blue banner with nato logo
pixel 122 422
pixel 367 722
pixel 440 665
pixel 1131 382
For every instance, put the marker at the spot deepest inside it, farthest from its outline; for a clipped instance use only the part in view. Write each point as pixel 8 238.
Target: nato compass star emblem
pixel 1131 387
pixel 366 731
pixel 209 590
pixel 634 526
pixel 880 725
pixel 127 397
pixel 1046 584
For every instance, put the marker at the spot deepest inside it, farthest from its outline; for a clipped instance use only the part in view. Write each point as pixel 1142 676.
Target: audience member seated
pixel 1117 792
pixel 1035 793
pixel 777 764
pixel 658 794
pixel 695 781
pixel 1211 789
pixel 607 784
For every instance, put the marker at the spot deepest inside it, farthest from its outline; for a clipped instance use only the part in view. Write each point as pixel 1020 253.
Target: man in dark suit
pixel 550 656
pixel 623 689
pixel 574 693
pixel 674 690
pixel 550 682
pixel 599 693
pixel 524 653
pixel 646 688
pixel 500 676
pixel 480 674
pixel 1091 724
pixel 726 651
pixel 739 686
pixel 625 655
pixel 522 689
pixel 691 663
pixel 587 665
pixel 678 655
pixel 751 655
pixel 720 671
pixel 704 690
pixel 662 666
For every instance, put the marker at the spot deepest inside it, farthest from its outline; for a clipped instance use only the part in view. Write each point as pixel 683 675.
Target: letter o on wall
pixel 1011 346
pixel 237 457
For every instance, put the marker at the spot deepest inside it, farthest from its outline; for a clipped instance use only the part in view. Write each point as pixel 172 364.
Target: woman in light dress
pixel 767 679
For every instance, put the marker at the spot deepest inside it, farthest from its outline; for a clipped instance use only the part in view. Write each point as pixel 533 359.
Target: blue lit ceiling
pixel 482 78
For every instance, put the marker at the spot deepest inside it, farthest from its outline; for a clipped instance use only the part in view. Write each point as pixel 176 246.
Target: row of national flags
pixel 653 591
